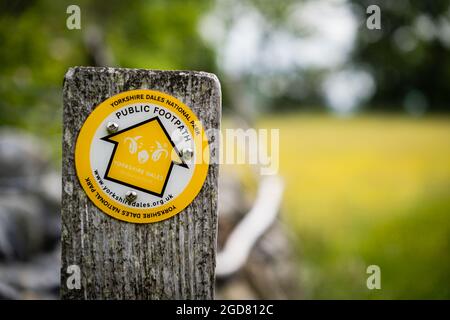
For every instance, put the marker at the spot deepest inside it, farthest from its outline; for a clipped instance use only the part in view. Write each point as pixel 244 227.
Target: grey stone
pixel 34 279
pixel 23 159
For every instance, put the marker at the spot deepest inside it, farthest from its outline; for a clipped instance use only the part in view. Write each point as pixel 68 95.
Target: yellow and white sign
pixel 142 156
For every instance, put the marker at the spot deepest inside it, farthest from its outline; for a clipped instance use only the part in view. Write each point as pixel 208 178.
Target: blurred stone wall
pixel 30 192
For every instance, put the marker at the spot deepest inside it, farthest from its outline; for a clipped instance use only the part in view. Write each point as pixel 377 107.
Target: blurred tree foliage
pixel 409 56
pixel 37 48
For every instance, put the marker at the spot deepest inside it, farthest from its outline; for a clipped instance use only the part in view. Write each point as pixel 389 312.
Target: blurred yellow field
pixel 349 181
pixel 337 169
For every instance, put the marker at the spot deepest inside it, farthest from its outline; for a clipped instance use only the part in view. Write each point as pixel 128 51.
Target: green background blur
pixel 363 114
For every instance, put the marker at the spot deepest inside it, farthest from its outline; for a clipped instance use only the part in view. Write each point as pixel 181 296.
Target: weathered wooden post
pixel 139 207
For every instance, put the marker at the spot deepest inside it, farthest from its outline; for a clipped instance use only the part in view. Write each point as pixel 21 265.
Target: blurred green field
pixel 368 190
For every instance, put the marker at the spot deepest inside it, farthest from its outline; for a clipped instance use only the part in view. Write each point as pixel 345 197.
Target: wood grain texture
pixel 171 259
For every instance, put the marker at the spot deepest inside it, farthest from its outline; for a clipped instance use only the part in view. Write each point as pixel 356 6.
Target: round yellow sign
pixel 142 156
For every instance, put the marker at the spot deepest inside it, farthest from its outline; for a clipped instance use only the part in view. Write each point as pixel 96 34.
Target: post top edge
pixel 72 70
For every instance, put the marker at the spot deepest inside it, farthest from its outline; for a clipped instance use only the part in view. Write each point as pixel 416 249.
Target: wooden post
pixel 171 259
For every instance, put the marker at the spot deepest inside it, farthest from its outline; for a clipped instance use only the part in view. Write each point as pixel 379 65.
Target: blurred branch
pixel 255 223
pixel 98 53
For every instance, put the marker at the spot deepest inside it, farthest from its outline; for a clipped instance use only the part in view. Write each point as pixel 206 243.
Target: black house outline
pixel 107 139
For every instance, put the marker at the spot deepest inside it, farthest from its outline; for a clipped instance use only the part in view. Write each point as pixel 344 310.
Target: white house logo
pixel 143 155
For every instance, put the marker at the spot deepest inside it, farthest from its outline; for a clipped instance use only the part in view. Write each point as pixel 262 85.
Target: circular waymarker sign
pixel 142 156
